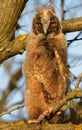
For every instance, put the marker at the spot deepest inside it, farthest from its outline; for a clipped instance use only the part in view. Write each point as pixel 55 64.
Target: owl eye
pixel 38 24
pixel 53 22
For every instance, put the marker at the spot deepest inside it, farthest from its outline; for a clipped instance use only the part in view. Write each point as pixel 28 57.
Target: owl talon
pixel 33 121
pixel 41 117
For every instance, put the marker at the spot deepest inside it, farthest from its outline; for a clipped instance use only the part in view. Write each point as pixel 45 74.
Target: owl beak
pixel 45 28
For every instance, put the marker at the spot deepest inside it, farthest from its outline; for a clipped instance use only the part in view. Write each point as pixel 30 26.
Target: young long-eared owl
pixel 45 67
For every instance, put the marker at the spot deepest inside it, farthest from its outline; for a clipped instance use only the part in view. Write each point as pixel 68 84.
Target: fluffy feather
pixel 45 67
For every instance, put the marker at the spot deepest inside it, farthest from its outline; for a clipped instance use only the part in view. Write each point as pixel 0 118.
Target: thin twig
pixel 62 9
pixel 9 112
pixel 78 82
pixel 76 38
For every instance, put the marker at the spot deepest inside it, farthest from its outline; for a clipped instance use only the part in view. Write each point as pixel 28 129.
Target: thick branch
pixel 72 25
pixel 23 126
pixel 17 46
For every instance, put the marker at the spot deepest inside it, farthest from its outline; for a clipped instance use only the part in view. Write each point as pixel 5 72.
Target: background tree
pixel 13 23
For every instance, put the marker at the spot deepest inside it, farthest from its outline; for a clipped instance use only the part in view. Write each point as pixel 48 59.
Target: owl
pixel 47 76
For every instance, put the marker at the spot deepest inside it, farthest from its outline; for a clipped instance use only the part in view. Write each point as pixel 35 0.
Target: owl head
pixel 45 21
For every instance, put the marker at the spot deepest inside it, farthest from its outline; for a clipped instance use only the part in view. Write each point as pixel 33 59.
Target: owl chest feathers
pixel 48 69
pixel 46 62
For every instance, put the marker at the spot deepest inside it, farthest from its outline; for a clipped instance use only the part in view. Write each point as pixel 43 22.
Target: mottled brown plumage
pixel 45 67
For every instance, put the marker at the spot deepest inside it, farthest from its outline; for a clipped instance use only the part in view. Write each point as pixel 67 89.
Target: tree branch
pixel 9 112
pixel 71 95
pixel 72 25
pixel 10 87
pixel 24 126
pixel 13 48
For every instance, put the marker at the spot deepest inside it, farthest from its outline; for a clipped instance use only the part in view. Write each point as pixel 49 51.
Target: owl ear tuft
pixel 39 9
pixel 51 8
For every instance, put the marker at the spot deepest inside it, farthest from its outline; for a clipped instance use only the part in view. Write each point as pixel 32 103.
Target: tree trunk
pixel 10 11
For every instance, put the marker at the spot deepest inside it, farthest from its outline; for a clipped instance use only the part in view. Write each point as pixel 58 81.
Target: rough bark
pixel 10 12
pixel 9 49
pixel 72 25
pixel 45 126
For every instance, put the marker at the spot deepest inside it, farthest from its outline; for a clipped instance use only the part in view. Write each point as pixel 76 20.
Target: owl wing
pixel 61 46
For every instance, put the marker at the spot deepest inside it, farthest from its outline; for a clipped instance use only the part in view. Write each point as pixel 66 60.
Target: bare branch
pixel 6 92
pixel 9 112
pixel 76 38
pixel 15 47
pixel 78 82
pixel 72 25
pixel 71 95
pixel 62 9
